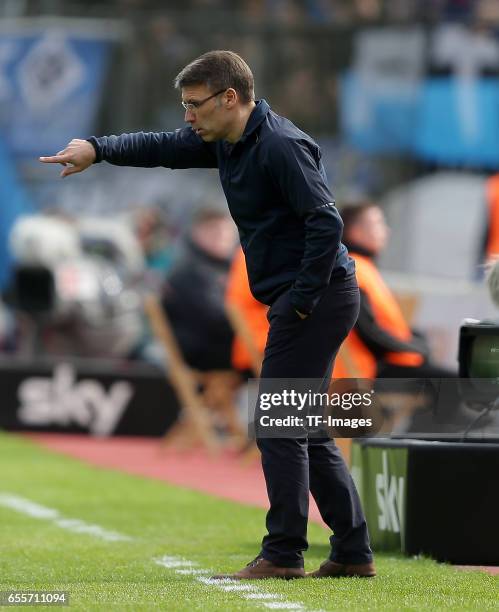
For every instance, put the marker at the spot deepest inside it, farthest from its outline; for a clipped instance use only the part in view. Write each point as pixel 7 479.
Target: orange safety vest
pixel 254 312
pixel 492 247
pixel 355 360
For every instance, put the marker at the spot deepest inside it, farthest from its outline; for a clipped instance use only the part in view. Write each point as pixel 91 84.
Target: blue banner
pixel 459 122
pixel 443 120
pixel 377 116
pixel 50 85
pixel 14 201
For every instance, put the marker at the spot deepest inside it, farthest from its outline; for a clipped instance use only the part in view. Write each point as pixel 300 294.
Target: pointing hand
pixel 76 157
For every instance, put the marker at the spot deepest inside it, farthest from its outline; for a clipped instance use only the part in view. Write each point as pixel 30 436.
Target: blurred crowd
pixel 341 12
pixel 307 42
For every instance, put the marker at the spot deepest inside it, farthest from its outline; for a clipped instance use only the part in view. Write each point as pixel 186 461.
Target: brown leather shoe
pixel 260 568
pixel 331 569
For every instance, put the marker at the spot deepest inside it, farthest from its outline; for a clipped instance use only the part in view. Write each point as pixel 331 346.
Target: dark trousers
pixel 294 466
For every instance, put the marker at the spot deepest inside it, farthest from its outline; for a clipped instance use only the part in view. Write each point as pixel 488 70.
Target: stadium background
pixel 402 116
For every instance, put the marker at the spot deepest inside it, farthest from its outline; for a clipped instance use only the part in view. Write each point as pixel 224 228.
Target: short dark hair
pixel 219 70
pixel 352 211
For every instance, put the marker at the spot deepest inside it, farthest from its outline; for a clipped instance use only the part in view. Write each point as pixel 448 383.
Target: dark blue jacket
pixel 277 191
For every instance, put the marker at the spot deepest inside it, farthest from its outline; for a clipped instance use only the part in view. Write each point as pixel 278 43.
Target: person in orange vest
pixel 247 353
pixel 381 344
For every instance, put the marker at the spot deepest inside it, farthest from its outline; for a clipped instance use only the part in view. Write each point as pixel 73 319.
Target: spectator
pixel 194 293
pixel 155 238
pixel 246 353
pixel 382 343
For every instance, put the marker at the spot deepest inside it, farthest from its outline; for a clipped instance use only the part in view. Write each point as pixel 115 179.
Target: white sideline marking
pixel 215 581
pixel 236 587
pixel 247 591
pixel 177 564
pixel 172 563
pixel 26 506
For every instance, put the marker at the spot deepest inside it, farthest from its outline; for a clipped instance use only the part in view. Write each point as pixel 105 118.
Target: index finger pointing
pixel 54 159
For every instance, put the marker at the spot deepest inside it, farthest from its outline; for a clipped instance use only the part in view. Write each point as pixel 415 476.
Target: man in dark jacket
pixel 290 232
pixel 199 276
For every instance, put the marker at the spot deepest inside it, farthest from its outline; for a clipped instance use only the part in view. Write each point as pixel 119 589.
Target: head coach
pixel 290 232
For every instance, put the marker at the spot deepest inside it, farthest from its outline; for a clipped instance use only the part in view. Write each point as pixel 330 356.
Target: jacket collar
pixel 256 118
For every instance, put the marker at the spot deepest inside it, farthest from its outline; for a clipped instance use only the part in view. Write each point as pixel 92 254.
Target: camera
pixel 76 286
pixel 479 353
pixel 479 361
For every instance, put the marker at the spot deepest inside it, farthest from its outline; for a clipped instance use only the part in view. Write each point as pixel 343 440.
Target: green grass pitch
pixel 37 554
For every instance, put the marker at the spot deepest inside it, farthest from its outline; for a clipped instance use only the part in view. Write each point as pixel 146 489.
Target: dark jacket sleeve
pixel 182 148
pixel 378 340
pixel 297 169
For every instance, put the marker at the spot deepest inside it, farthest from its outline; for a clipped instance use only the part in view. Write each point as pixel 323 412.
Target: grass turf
pixel 165 520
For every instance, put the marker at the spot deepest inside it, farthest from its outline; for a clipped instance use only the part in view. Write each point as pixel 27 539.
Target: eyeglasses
pixel 192 106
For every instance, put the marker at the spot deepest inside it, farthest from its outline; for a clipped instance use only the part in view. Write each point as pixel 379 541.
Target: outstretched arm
pixel 182 148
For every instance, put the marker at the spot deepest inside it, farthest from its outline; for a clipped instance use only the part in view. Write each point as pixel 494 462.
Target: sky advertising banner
pixel 381 478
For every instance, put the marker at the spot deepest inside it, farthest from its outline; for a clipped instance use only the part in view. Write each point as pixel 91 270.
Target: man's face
pixel 211 119
pixel 370 230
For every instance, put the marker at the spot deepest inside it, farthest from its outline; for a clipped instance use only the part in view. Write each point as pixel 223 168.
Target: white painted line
pixel 250 592
pixel 26 506
pixel 81 527
pixel 214 581
pixel 262 596
pixel 174 562
pixel 283 606
pixel 237 587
